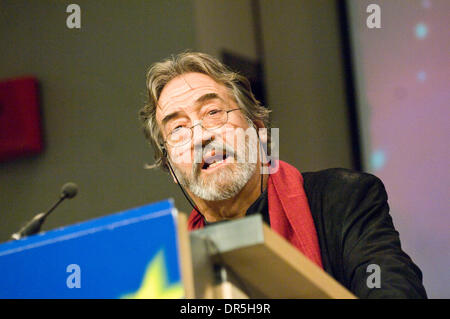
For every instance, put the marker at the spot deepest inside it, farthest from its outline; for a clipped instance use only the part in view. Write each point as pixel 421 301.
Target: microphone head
pixel 69 190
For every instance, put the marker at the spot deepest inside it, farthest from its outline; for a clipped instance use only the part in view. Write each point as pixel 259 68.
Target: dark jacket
pixel 355 230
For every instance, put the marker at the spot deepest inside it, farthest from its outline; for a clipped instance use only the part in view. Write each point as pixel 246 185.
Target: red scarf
pixel 289 211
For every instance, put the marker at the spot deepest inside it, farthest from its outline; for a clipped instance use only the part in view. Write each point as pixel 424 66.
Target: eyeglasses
pixel 212 120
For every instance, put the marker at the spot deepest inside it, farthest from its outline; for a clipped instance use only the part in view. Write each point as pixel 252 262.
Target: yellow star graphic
pixel 155 283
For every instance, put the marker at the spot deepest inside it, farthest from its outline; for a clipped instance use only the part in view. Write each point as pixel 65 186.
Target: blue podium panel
pixel 131 254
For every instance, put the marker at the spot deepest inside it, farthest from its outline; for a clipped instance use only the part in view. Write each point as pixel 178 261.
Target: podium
pixel 147 252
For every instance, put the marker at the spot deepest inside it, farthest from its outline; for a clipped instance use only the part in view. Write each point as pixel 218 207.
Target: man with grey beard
pixel 215 187
pixel 212 135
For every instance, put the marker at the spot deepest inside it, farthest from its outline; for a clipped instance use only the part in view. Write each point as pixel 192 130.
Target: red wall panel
pixel 20 122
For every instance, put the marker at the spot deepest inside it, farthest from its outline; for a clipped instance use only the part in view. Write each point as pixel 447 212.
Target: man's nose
pixel 201 136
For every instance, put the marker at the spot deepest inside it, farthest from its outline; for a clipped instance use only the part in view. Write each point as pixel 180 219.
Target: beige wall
pixel 303 68
pixel 304 79
pixel 225 24
pixel 93 84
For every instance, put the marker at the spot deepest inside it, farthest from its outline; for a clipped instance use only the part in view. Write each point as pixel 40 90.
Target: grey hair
pixel 163 72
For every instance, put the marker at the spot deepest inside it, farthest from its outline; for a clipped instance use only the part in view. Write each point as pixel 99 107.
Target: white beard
pixel 226 183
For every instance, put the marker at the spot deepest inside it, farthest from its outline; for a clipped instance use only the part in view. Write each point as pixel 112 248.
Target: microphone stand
pixel 34 225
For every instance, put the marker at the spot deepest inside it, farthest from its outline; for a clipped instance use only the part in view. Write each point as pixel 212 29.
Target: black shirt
pixel 259 206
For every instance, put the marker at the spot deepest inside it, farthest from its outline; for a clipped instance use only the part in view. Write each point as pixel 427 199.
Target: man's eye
pixel 177 128
pixel 213 112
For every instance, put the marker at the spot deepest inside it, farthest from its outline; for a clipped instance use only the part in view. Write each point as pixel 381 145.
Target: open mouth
pixel 210 162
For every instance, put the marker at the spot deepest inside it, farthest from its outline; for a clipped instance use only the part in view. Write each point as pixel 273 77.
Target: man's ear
pixel 262 134
pixel 166 162
pixel 259 124
pixel 163 150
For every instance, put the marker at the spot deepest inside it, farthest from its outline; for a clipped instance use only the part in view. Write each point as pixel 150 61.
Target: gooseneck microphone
pixel 68 190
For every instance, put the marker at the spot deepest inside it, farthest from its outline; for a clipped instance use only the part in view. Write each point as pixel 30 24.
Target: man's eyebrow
pixel 207 97
pixel 168 117
pixel 200 101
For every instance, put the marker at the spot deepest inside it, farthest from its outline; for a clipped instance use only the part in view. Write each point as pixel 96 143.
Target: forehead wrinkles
pixel 183 94
pixel 184 99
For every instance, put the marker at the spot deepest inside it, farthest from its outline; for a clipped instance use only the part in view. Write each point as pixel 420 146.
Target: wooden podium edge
pixel 184 244
pixel 321 279
pixel 287 261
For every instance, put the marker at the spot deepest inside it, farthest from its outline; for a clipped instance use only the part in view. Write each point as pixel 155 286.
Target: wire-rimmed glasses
pixel 212 120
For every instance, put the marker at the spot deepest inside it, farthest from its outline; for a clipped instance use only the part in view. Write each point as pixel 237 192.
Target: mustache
pixel 215 145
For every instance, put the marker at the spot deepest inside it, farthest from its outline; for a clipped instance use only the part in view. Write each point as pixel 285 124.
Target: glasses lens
pixel 179 136
pixel 214 119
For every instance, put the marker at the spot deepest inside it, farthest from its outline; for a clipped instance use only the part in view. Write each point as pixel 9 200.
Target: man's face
pixel 213 165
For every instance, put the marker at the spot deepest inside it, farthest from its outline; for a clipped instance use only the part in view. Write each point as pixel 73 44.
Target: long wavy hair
pixel 163 72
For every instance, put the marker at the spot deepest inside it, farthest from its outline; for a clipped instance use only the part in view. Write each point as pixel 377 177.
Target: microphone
pixel 69 190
